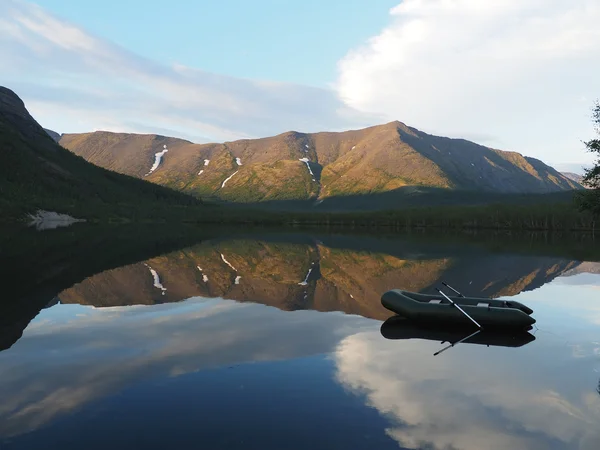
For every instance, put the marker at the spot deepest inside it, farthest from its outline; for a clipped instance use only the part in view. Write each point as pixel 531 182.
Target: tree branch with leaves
pixel 592 176
pixel 590 199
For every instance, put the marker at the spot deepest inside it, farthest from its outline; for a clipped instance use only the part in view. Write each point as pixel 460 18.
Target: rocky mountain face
pixel 301 166
pixel 37 173
pixel 307 276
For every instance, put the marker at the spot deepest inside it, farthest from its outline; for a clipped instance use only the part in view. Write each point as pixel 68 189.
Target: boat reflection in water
pixel 397 328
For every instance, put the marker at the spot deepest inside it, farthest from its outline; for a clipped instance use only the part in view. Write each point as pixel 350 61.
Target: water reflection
pixel 308 276
pixel 474 397
pixel 398 328
pixel 263 344
pixel 90 354
pixel 100 362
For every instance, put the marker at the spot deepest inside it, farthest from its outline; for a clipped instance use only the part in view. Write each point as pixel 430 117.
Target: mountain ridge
pixel 304 166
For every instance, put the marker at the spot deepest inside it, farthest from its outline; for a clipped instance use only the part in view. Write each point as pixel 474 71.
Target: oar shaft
pixel 460 309
pixel 452 289
pixel 456 343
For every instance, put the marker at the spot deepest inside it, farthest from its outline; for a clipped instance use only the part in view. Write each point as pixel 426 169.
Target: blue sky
pixel 516 75
pixel 296 41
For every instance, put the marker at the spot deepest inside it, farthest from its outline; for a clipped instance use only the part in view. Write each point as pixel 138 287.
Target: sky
pixel 516 75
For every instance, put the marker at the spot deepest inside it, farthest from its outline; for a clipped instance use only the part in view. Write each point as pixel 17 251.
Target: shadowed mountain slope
pixel 36 173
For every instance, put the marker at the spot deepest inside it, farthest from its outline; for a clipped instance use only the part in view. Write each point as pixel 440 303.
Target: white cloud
pixel 522 72
pixel 73 81
pixel 513 74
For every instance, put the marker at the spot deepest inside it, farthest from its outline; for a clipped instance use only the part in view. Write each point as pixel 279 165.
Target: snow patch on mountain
pixel 204 277
pixel 156 278
pixel 227 179
pixel 305 282
pixel 228 263
pixel 158 157
pixel 307 162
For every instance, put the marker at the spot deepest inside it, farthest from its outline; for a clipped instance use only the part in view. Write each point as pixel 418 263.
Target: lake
pixel 160 339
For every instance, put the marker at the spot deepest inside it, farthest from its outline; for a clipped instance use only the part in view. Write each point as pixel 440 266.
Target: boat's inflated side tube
pixel 446 313
pixel 392 300
pixel 472 301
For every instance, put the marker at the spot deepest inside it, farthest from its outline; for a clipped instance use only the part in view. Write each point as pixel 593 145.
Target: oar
pixel 451 288
pixel 456 343
pixel 460 309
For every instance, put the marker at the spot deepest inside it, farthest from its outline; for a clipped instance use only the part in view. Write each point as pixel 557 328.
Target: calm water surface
pixel 278 344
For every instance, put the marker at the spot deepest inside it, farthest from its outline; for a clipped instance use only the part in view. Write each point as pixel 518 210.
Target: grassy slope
pixel 374 160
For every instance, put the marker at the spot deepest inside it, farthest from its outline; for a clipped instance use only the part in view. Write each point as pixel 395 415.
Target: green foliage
pixel 590 199
pixel 592 176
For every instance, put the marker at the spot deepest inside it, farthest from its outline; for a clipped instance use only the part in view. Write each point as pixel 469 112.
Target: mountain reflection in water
pixel 268 343
pixel 307 276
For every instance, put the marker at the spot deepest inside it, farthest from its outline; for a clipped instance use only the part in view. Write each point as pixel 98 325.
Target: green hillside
pixel 387 161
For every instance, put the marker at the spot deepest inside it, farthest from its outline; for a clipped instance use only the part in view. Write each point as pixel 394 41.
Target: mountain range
pixel 379 167
pixel 317 167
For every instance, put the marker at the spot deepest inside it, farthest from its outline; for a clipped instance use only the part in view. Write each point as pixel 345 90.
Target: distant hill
pixel 53 134
pixel 36 173
pixel 575 177
pixel 300 166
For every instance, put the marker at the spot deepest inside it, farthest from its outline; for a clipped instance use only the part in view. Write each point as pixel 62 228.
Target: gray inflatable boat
pixel 443 310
